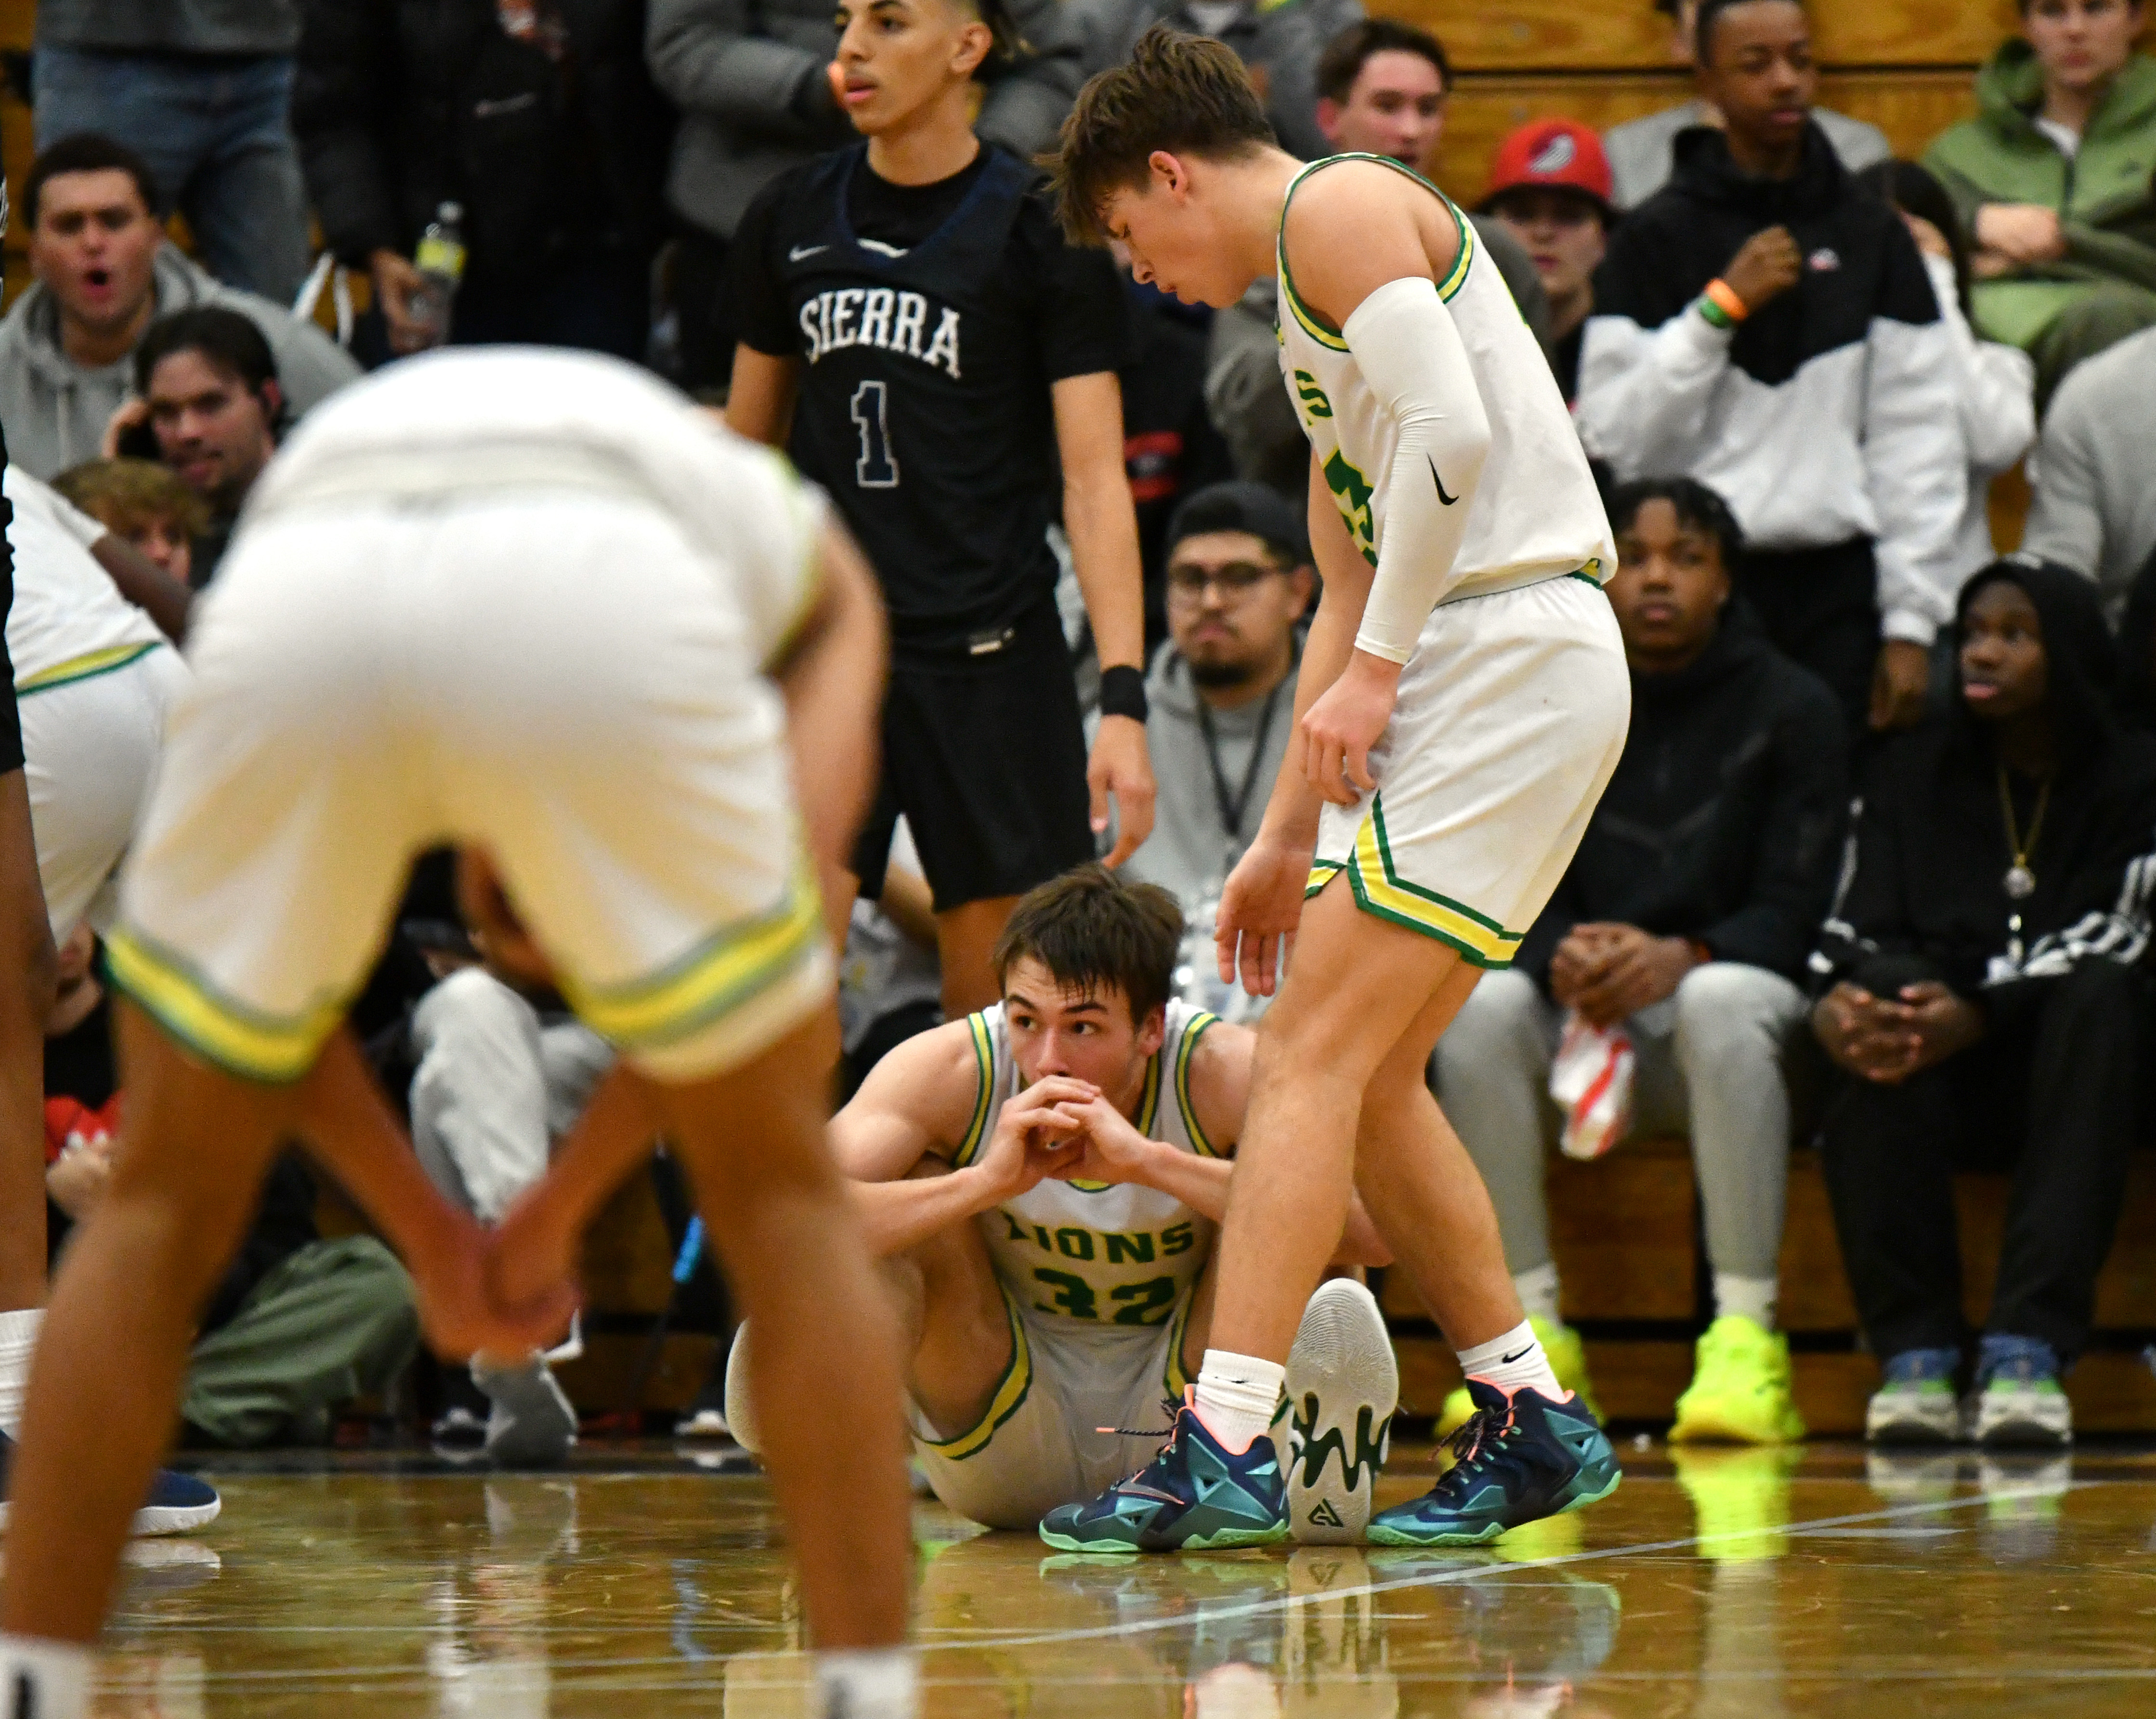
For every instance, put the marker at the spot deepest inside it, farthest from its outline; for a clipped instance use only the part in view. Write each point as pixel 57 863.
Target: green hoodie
pixel 2104 195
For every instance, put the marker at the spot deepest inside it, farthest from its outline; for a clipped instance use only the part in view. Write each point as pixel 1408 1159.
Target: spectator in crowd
pixel 1984 1001
pixel 202 91
pixel 1643 153
pixel 1383 87
pixel 143 504
pixel 1280 41
pixel 536 117
pixel 299 1326
pixel 1222 692
pixel 2052 179
pixel 753 86
pixel 2094 506
pixel 2137 646
pixel 1683 921
pixel 1549 187
pixel 1172 447
pixel 207 391
pixel 1997 383
pixel 104 271
pixel 1767 327
pixel 853 326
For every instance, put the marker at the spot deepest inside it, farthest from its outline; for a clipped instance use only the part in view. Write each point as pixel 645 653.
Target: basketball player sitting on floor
pixel 1043 1181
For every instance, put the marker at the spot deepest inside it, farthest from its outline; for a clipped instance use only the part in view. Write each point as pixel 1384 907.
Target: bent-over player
pixel 1463 701
pixel 536 604
pixel 1044 1180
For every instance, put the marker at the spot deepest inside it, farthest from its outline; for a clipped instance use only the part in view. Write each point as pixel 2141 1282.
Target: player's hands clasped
pixel 1260 906
pixel 1033 1139
pixel 1336 733
pixel 463 1307
pixel 1110 1148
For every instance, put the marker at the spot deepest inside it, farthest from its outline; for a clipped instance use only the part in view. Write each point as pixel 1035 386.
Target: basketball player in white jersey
pixel 1463 701
pixel 536 604
pixel 1044 1180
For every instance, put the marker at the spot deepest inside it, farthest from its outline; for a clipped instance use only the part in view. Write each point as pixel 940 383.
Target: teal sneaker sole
pixel 1224 1539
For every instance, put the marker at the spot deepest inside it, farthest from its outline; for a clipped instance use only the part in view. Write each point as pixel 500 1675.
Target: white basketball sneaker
pixel 1343 1386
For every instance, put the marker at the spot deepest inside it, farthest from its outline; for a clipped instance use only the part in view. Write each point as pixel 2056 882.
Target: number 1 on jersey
pixel 877 469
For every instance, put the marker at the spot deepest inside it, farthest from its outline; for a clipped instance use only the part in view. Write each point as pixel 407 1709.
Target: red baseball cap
pixel 1560 153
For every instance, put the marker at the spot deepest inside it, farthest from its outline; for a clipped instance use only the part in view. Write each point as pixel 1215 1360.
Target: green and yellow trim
pixel 1380 889
pixel 1314 325
pixel 984 1091
pixel 1009 1396
pixel 1195 1029
pixel 729 969
pixel 1322 873
pixel 1174 1376
pixel 274 1049
pixel 87 667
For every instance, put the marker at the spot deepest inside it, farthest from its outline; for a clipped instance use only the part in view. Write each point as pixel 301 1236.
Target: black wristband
pixel 1122 692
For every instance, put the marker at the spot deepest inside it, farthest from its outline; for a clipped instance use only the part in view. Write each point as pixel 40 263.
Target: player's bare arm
pixel 898 1136
pixel 1360 241
pixel 1099 517
pixel 760 399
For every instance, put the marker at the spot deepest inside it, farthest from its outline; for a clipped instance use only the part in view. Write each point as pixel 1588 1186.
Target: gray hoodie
pixel 170 26
pixel 54 411
pixel 1189 853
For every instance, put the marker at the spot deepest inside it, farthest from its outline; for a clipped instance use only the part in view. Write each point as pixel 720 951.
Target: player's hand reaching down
pixel 1260 906
pixel 1335 735
pixel 1120 769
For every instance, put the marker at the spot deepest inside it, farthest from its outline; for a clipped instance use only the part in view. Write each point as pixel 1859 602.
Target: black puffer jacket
pixel 401 104
pixel 1725 818
pixel 1931 854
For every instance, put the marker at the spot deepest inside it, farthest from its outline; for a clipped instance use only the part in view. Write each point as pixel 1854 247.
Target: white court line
pixel 1285 1603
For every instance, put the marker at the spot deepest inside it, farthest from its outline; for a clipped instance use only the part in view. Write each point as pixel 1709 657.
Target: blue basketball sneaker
pixel 1522 1458
pixel 177 1504
pixel 1194 1496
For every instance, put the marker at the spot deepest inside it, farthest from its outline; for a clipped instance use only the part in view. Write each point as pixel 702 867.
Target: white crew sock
pixel 1512 1360
pixel 868 1683
pixel 1753 1297
pixel 18 1341
pixel 1236 1397
pixel 1538 1291
pixel 43 1679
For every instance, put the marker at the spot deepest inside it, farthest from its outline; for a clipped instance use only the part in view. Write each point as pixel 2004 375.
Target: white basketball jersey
pixel 1535 514
pixel 1088 1255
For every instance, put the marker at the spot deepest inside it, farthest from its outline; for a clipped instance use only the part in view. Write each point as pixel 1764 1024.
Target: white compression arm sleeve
pixel 1414 360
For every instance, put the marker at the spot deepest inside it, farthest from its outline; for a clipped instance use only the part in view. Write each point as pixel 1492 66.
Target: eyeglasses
pixel 1237 578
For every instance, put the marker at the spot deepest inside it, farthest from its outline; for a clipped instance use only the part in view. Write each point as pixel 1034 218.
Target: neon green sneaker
pixel 1741 1392
pixel 1568 1360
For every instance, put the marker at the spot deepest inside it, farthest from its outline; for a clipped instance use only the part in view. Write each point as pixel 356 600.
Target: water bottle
pixel 439 258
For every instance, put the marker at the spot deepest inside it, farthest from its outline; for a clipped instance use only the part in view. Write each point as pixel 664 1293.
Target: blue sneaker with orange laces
pixel 1521 1458
pixel 1194 1496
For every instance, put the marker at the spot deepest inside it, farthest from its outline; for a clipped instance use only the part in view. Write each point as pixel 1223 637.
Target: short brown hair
pixel 1347 53
pixel 1092 931
pixel 124 495
pixel 1187 95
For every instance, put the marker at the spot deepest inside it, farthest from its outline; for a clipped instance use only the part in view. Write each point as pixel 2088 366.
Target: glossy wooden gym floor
pixel 1739 1583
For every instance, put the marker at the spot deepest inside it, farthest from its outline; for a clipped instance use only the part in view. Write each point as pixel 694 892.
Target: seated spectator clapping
pixel 1986 1003
pixel 1683 924
pixel 104 272
pixel 2052 177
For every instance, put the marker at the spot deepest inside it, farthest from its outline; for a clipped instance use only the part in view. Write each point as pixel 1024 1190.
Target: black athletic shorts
pixel 985 757
pixel 11 719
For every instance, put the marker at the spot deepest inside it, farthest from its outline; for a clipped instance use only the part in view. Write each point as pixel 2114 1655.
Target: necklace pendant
pixel 2020 882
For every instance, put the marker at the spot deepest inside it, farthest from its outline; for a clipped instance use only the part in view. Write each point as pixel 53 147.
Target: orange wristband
pixel 1724 297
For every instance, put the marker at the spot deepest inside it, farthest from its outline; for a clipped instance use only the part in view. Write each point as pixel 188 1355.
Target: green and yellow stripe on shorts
pixel 1008 1397
pixel 274 1049
pixel 1382 891
pixel 87 667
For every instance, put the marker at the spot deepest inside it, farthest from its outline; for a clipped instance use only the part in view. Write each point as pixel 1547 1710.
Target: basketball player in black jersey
pixel 910 314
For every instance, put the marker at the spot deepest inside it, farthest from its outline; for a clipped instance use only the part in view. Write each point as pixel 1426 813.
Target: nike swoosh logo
pixel 801 252
pixel 1503 1360
pixel 1448 500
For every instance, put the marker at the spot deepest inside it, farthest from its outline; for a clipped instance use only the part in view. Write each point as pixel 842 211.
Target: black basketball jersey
pixel 924 405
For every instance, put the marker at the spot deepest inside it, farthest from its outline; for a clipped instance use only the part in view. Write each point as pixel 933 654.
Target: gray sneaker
pixel 1916 1404
pixel 2019 1402
pixel 529 1424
